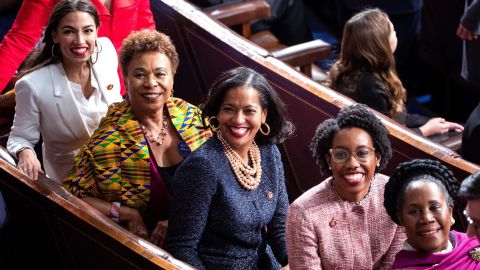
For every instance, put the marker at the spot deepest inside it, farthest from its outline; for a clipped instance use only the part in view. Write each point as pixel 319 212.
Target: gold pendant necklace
pixel 247 176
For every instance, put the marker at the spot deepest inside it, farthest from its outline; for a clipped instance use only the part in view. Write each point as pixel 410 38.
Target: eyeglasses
pixel 475 222
pixel 341 155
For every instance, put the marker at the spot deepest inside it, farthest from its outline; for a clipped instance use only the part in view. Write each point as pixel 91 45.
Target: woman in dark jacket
pixel 229 199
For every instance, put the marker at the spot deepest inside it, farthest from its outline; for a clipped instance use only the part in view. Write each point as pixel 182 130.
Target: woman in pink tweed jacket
pixel 341 223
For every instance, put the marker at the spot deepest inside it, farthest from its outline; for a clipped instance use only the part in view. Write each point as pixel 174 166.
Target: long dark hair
pixel 43 57
pixel 365 45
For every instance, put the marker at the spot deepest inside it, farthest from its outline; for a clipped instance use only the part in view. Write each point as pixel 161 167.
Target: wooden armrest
pixel 453 142
pixel 242 13
pixel 232 14
pixel 304 53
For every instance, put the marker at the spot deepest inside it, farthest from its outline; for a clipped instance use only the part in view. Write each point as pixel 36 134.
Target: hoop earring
pixel 267 127
pixel 212 126
pixel 53 51
pixel 98 49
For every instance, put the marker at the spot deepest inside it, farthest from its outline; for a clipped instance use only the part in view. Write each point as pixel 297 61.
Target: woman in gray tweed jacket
pixel 229 199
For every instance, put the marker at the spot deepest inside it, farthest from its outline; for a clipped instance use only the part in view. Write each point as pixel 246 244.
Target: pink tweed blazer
pixel 326 232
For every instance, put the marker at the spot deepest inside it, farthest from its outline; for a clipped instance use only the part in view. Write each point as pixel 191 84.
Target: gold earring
pixel 267 127
pixel 212 126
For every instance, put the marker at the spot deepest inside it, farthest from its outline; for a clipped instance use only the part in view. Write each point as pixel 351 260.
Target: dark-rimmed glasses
pixel 341 155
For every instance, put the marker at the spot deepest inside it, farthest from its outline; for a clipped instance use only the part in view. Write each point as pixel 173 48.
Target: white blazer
pixel 45 105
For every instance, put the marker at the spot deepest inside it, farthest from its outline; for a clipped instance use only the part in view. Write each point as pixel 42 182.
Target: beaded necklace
pixel 247 176
pixel 160 138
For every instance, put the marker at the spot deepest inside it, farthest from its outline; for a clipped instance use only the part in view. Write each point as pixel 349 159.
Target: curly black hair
pixel 280 126
pixel 420 170
pixel 358 116
pixel 470 188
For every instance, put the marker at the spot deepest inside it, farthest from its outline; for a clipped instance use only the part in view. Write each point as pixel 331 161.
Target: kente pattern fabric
pixel 115 164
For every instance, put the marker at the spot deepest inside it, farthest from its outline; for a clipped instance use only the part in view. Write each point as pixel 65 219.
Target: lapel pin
pixel 475 254
pixel 332 223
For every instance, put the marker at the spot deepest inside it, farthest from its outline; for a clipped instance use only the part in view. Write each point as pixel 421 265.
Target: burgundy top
pixel 160 194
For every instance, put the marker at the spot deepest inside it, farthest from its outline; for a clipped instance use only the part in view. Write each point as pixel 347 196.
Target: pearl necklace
pixel 160 138
pixel 248 177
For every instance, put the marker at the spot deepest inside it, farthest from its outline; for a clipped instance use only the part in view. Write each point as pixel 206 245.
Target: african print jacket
pixel 115 165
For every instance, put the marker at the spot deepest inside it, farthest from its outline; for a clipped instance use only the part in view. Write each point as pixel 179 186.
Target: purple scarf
pixel 458 258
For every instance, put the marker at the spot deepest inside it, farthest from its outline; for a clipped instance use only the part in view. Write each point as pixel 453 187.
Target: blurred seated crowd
pixel 92 82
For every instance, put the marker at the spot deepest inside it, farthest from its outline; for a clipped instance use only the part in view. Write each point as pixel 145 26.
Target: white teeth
pixel 239 131
pixel 79 50
pixel 354 177
pixel 151 95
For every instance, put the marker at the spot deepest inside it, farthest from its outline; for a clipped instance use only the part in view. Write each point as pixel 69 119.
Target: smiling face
pixel 352 178
pixel 149 82
pixel 240 117
pixel 426 216
pixel 76 34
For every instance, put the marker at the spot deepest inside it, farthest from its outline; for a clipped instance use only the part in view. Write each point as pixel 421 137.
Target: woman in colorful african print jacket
pixel 126 168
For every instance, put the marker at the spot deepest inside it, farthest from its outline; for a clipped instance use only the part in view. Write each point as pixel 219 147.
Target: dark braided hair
pixel 358 116
pixel 420 170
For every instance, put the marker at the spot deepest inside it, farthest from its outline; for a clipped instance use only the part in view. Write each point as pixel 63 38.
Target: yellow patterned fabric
pixel 115 164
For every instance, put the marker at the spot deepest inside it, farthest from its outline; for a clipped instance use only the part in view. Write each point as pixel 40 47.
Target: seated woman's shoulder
pixel 182 104
pixel 210 150
pixel 311 196
pixel 381 178
pixel 37 76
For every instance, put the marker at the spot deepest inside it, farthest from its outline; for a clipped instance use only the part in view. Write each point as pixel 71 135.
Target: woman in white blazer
pixel 72 81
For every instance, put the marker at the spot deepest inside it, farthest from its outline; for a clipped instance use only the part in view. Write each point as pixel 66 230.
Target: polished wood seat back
pixel 206 49
pixel 302 55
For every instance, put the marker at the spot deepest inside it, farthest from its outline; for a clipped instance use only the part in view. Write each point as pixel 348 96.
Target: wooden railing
pixel 49 228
